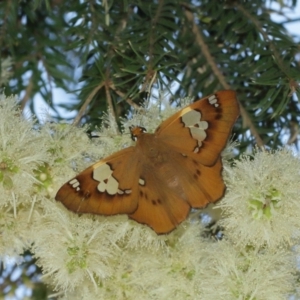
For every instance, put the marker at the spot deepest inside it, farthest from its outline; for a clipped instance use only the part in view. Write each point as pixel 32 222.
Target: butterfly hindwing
pixel 172 186
pixel 162 204
pixel 161 210
pixel 201 129
pixel 201 184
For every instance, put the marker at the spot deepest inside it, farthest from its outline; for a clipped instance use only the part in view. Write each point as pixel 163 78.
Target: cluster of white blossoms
pixel 96 257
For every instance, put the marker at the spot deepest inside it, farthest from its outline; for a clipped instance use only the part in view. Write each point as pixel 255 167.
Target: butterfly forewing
pixel 108 187
pixel 201 130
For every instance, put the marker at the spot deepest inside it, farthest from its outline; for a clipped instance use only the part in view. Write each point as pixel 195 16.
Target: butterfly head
pixel 136 131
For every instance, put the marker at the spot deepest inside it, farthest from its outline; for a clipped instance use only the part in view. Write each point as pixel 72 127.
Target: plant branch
pixel 247 122
pixel 210 60
pixel 86 104
pixel 205 50
pixel 128 100
pixel 109 100
pixel 150 76
pixel 27 93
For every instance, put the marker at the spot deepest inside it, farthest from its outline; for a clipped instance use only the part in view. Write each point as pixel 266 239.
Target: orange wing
pixel 128 183
pixel 162 204
pixel 158 181
pixel 201 130
pixel 174 185
pixel 108 187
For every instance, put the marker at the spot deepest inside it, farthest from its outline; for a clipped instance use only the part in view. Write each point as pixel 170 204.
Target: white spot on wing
pixel 120 192
pixel 75 184
pixel 107 183
pixel 196 150
pixel 198 133
pixel 213 100
pixel 73 181
pixel 192 119
pixel 141 181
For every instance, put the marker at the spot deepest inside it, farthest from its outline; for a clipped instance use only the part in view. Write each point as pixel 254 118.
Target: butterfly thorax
pixel 147 143
pixel 149 146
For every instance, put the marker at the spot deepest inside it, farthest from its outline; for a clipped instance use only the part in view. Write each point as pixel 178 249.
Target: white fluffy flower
pixel 115 256
pixel 262 204
pixel 233 273
pixel 15 228
pixel 96 257
pixel 21 151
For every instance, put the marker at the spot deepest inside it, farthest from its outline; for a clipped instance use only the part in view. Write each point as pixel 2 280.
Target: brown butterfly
pixel 157 181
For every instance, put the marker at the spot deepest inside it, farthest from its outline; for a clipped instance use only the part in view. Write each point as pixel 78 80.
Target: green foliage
pixel 114 53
